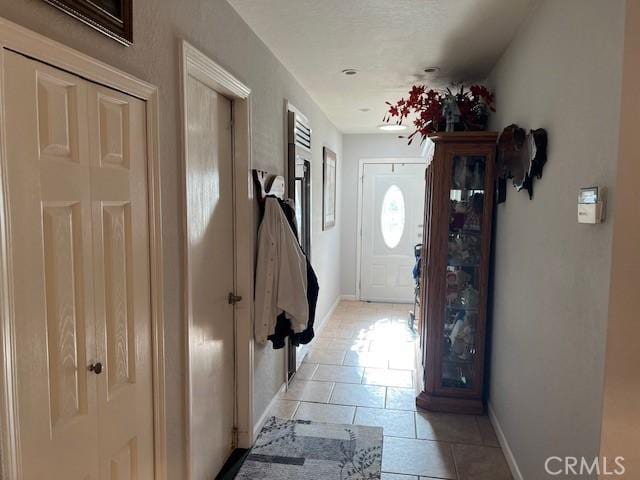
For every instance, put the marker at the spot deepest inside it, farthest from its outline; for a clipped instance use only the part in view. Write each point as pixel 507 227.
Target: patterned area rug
pixel 298 449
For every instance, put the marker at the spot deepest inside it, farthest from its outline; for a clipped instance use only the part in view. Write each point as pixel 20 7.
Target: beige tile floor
pixel 360 370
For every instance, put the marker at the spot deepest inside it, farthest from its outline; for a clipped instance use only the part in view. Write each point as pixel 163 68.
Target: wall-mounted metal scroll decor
pixel 521 157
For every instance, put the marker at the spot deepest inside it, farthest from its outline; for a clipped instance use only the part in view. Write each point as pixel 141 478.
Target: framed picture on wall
pixel 328 188
pixel 111 17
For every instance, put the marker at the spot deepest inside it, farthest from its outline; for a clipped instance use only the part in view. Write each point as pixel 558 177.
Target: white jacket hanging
pixel 281 275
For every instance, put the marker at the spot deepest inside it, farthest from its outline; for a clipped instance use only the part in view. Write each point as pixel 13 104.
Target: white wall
pixel 357 147
pixel 562 72
pixel 215 28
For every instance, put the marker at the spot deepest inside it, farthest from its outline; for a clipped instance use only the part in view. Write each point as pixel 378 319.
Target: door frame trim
pixel 21 40
pixel 197 64
pixel 361 165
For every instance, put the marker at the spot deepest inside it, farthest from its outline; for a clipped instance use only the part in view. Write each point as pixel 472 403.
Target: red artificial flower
pixel 427 105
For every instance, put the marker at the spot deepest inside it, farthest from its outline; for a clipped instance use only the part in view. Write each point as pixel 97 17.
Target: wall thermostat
pixel 591 205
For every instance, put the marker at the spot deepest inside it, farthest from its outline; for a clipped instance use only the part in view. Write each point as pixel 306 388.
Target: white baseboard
pixel 389 300
pixel 318 326
pixel 263 418
pixel 354 298
pixel 349 298
pixel 506 449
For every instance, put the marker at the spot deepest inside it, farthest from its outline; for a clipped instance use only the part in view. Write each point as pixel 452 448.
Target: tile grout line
pixel 455 464
pixel 293 415
pixel 333 387
pixel 482 441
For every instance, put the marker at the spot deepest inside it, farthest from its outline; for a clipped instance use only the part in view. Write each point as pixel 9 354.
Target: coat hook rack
pixel 268 184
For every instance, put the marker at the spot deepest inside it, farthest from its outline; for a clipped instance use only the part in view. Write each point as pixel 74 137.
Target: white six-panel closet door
pixel 76 166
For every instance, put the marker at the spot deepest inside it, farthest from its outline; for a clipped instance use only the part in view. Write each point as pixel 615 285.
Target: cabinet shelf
pixel 461 308
pixel 473 190
pixel 464 232
pixel 452 361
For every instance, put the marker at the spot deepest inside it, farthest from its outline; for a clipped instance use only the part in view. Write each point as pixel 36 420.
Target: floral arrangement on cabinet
pixel 447 110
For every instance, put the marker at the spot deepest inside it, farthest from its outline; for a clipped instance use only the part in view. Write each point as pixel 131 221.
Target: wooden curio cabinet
pixel 455 270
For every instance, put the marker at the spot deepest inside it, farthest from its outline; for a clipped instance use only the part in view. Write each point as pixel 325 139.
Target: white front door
pixel 210 278
pixel 79 226
pixel 392 205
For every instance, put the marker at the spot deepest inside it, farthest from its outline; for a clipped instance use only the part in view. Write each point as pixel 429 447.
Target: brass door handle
pixel 96 368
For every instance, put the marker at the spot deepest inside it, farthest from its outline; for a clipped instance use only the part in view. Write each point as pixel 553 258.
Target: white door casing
pixel 76 158
pixel 391 208
pixel 196 66
pixel 68 221
pixel 210 270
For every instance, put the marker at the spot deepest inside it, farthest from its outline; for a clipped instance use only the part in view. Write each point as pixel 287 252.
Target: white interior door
pixel 76 176
pixel 210 278
pixel 392 205
pixel 120 226
pixel 49 200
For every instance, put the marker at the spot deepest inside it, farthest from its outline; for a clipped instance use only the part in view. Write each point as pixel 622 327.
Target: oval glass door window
pixel 392 216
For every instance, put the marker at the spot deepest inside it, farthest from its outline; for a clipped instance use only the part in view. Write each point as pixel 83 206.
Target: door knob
pixel 96 368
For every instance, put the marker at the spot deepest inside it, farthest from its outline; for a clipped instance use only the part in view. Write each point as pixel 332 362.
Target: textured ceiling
pixel 390 42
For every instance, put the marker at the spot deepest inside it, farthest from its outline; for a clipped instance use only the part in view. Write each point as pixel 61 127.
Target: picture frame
pixel 113 18
pixel 329 180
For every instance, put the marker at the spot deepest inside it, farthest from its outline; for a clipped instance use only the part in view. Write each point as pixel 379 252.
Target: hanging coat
pixel 283 329
pixel 281 275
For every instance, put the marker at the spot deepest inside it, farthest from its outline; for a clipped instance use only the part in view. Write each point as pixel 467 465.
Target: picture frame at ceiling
pixel 113 18
pixel 329 180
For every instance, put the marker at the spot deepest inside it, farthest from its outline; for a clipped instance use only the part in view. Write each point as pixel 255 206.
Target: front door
pixel 210 278
pixel 79 226
pixel 392 205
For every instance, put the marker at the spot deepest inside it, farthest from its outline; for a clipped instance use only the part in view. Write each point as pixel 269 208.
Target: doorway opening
pixel 299 191
pixel 219 264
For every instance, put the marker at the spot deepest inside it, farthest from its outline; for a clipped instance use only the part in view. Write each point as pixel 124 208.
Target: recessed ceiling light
pixel 364 109
pixel 350 71
pixel 392 127
pixel 431 69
